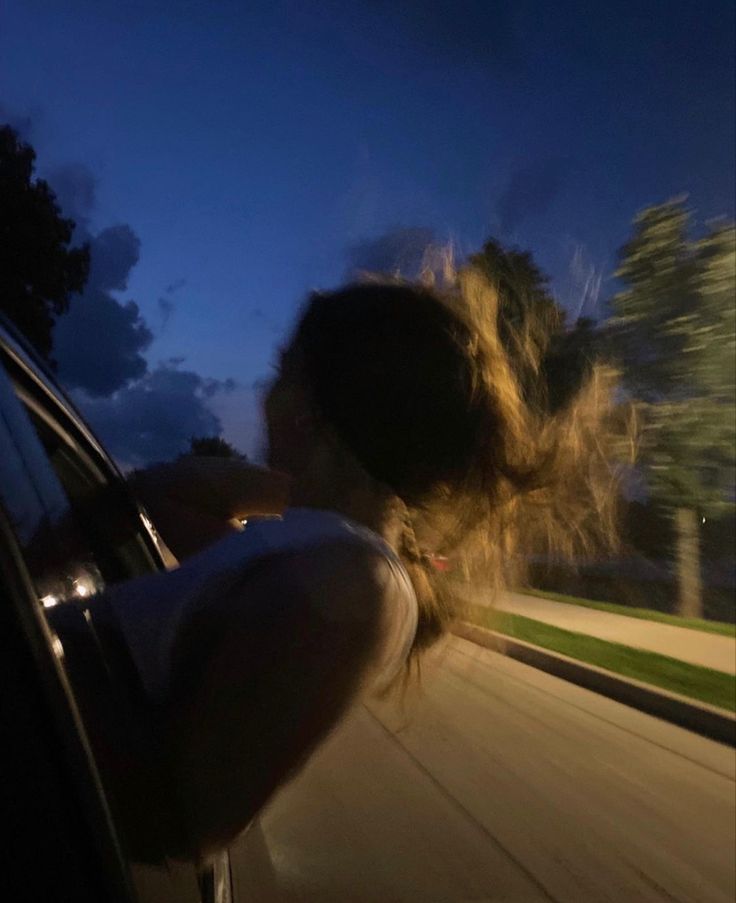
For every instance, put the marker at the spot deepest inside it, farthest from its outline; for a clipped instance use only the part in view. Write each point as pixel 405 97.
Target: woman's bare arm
pixel 285 656
pixel 197 500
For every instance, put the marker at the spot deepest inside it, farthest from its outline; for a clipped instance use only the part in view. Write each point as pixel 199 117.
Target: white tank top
pixel 152 610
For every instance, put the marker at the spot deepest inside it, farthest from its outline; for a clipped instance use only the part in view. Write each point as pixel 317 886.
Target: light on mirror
pixel 81 588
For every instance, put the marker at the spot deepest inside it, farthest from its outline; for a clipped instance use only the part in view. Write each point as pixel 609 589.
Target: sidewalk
pixel 692 646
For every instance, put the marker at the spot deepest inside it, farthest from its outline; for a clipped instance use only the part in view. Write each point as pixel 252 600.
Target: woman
pixel 392 403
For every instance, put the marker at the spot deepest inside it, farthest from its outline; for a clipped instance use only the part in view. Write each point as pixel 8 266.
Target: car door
pixel 73 528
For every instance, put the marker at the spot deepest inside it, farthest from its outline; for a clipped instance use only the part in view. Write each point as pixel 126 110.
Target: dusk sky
pixel 247 152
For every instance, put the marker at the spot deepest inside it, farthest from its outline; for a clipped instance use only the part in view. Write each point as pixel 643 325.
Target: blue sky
pixel 249 146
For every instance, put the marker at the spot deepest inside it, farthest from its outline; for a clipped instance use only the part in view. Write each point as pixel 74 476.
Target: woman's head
pixel 390 369
pixel 418 387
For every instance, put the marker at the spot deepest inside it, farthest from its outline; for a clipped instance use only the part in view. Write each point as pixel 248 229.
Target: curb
pixel 701 718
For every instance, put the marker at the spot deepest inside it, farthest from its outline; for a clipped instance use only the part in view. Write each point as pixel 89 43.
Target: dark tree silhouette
pixel 569 359
pixel 214 447
pixel 39 271
pixel 550 359
pixel 520 282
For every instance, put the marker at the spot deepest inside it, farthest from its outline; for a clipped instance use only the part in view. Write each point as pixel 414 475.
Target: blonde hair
pixel 524 480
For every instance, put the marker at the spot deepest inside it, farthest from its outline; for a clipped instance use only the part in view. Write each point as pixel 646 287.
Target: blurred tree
pixel 38 270
pixel 550 359
pixel 674 334
pixel 214 447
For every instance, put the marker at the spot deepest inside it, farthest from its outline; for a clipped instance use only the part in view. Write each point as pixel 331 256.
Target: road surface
pixel 710 650
pixel 500 783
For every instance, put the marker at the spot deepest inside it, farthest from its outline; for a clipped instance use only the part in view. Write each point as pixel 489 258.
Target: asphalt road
pixel 500 783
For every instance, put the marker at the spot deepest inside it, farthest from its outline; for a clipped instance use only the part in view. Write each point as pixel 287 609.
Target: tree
pixel 550 359
pixel 39 271
pixel 214 447
pixel 674 333
pixel 526 306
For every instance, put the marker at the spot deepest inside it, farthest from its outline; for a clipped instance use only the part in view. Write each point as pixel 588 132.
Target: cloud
pixel 175 285
pixel 398 250
pixel 166 309
pixel 154 418
pixel 142 415
pixel 166 306
pixel 531 191
pixel 114 252
pixel 212 387
pixel 75 188
pixel 98 344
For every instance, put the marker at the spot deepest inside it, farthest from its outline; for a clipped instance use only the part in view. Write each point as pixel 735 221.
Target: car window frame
pixel 33 469
pixel 43 396
pixel 47 655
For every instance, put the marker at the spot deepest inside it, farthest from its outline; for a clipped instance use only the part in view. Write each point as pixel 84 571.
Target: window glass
pixel 104 509
pixel 73 515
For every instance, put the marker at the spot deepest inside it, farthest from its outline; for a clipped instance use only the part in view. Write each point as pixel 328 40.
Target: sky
pixel 224 158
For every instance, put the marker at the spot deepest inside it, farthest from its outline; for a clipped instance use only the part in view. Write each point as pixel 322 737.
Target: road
pixel 709 650
pixel 500 783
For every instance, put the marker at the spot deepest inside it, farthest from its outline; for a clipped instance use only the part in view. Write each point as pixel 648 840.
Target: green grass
pixel 705 684
pixel 646 614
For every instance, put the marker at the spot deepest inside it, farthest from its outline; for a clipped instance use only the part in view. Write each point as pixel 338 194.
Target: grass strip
pixel 705 684
pixel 645 614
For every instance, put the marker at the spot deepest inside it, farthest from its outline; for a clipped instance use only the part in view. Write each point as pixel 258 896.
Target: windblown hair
pixel 423 386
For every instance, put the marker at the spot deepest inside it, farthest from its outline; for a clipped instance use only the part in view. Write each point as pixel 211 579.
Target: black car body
pixel 69 527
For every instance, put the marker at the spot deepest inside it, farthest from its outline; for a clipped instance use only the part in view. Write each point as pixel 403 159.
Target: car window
pixel 99 505
pixel 80 528
pixel 76 530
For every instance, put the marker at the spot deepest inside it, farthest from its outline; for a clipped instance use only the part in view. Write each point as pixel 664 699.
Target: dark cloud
pixel 212 387
pixel 166 309
pixel 531 191
pixel 142 415
pixel 175 285
pixel 400 250
pixel 75 188
pixel 166 306
pixel 114 252
pixel 99 343
pixel 154 419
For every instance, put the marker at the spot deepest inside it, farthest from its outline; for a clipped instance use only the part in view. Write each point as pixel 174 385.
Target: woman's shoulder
pixel 350 581
pixel 300 528
pixel 346 572
pixel 343 599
